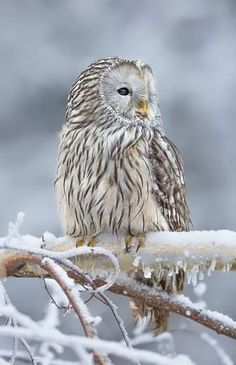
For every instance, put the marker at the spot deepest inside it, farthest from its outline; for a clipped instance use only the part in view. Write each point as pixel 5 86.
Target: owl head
pixel 121 88
pixel 128 88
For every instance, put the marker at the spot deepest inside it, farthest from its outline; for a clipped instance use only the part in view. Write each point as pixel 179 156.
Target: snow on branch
pixel 18 265
pixel 195 251
pixel 68 286
pixel 107 266
pixel 179 304
pixel 110 347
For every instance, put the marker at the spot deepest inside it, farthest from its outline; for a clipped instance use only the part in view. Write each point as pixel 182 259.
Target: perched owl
pixel 117 171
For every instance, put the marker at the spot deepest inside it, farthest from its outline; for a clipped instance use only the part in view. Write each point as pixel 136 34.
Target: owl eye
pixel 123 91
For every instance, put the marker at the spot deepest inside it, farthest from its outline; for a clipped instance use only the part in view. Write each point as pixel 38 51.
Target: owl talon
pixel 80 242
pixel 141 240
pixel 91 242
pixel 128 241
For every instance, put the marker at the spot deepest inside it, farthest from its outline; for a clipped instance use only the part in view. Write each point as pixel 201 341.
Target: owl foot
pixel 128 241
pixel 90 241
pixel 80 242
pixel 140 240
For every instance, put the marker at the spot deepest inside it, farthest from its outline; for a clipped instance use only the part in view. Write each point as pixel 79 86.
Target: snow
pixel 200 289
pixel 137 261
pixel 13 228
pixel 147 272
pixel 194 59
pixel 189 241
pixel 164 342
pixel 51 338
pixel 180 249
pixel 187 250
pixel 193 251
pixel 109 347
pixel 201 275
pixel 184 301
pixel 213 315
pixel 69 284
pixel 2 295
pixel 217 316
pixel 193 238
pixel 182 239
pixel 30 244
pixel 40 359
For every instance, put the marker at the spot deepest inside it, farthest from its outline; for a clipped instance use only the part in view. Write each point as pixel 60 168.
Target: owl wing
pixel 169 182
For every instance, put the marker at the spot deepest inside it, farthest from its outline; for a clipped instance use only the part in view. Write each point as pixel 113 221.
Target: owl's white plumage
pixel 117 171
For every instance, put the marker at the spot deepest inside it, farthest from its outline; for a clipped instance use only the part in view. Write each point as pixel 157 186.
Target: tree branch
pixel 67 285
pixel 193 251
pixel 58 274
pixel 179 304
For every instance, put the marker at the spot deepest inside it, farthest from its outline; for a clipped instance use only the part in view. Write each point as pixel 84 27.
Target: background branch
pixel 68 286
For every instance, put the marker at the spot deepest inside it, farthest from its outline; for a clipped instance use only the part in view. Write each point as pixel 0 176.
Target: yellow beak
pixel 143 108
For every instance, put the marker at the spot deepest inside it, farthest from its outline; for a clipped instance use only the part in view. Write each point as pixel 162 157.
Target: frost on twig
pixel 4 300
pixel 225 359
pixel 30 329
pixel 69 288
pixel 179 304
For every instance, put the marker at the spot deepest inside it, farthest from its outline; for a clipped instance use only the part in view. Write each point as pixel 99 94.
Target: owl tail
pixel 155 316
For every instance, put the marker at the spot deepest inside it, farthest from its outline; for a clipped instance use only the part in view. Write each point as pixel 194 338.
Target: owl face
pixel 129 90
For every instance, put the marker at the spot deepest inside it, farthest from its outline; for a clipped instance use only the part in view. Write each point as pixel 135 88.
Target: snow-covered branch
pixel 194 251
pixel 110 347
pixel 69 288
pixel 179 304
pixel 126 286
pixel 107 266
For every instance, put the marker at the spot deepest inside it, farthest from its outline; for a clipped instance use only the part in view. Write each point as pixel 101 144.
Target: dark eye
pixel 123 91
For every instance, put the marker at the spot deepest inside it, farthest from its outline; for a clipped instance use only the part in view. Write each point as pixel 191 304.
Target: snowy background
pixel 191 46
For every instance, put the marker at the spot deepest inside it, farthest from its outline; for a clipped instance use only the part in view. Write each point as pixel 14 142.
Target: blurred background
pixel 191 46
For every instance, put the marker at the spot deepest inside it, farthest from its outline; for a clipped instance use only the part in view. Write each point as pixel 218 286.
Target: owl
pixel 117 170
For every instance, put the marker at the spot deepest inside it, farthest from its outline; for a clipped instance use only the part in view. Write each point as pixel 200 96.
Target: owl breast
pixel 107 189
